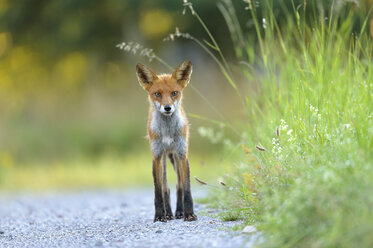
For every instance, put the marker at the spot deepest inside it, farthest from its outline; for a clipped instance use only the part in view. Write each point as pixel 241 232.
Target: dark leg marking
pixel 166 192
pixel 160 214
pixel 179 213
pixel 188 200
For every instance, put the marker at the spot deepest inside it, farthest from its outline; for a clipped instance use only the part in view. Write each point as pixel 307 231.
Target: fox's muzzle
pixel 167 109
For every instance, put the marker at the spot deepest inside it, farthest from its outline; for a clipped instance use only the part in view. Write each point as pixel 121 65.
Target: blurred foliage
pixel 109 170
pixel 66 90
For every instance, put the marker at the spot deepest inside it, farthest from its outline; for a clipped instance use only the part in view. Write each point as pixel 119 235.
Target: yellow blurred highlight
pixel 249 180
pixel 71 69
pixel 155 23
pixel 21 58
pixel 6 81
pixel 3 6
pixel 6 160
pixel 21 76
pixel 5 41
pixel 248 151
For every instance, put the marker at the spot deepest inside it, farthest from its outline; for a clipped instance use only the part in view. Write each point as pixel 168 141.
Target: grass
pixel 308 181
pixel 230 215
pixel 107 171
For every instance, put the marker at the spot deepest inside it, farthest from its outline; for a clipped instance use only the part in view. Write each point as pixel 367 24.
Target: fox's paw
pixel 190 217
pixel 169 216
pixel 161 218
pixel 179 215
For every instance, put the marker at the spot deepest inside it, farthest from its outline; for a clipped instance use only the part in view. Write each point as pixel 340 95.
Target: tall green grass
pixel 309 182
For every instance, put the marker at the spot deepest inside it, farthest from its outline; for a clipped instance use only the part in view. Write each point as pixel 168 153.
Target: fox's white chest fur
pixel 168 130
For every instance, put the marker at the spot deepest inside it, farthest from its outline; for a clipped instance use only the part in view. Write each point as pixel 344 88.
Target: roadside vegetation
pixel 308 179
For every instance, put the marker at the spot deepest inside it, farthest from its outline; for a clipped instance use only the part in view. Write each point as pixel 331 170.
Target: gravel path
pixel 105 219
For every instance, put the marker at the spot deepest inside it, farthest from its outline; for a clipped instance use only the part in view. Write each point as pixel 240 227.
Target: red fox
pixel 168 132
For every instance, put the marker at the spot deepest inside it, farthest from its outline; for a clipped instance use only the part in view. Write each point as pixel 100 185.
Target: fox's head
pixel 165 91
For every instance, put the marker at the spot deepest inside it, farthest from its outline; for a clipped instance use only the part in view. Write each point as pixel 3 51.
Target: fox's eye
pixel 157 94
pixel 174 93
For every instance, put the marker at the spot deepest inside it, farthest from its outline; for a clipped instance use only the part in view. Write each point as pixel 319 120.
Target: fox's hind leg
pixel 166 191
pixel 160 214
pixel 179 213
pixel 187 193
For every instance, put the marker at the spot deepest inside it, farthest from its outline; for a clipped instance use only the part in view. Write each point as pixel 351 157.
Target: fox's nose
pixel 167 108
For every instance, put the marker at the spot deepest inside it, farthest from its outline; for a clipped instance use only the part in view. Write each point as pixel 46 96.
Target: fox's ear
pixel 182 73
pixel 145 76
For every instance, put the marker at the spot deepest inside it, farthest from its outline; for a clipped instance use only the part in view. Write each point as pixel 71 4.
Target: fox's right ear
pixel 145 76
pixel 182 73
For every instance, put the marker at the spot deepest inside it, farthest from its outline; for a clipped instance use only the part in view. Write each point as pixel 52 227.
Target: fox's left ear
pixel 145 76
pixel 182 73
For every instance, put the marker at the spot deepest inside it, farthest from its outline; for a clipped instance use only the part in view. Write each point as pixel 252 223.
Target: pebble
pixel 249 229
pixel 99 243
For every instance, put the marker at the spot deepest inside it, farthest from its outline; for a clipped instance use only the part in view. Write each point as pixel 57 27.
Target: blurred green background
pixel 71 111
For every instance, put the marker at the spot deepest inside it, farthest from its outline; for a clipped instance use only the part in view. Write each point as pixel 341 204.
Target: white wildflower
pixel 347 126
pixel 291 139
pixel 264 23
pixel 314 110
pixel 283 125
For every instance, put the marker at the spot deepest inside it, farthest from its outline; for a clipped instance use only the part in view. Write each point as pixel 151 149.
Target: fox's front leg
pixel 187 193
pixel 166 192
pixel 179 214
pixel 160 214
